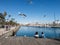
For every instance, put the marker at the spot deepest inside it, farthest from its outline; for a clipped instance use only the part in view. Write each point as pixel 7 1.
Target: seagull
pixel 23 15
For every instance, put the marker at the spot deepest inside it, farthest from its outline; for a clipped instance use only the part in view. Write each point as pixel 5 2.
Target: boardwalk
pixel 27 41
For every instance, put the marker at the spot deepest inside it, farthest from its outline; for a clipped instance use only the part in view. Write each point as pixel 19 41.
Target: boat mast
pixel 54 24
pixel 54 17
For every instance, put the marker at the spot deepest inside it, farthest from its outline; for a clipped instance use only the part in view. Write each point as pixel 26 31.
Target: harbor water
pixel 29 31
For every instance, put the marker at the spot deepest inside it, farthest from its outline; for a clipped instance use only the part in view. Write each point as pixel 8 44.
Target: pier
pixel 28 41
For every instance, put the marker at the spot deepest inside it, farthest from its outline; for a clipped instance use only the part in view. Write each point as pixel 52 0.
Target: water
pixel 29 31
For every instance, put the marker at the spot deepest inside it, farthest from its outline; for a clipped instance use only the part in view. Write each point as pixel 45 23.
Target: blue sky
pixel 35 11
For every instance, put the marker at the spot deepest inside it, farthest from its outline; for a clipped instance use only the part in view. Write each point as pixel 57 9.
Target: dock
pixel 27 41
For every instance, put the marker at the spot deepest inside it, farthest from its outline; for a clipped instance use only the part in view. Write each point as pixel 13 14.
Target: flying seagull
pixel 23 15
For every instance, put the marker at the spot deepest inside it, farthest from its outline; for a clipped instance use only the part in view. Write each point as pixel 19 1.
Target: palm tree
pixel 5 13
pixel 12 22
pixel 2 18
pixel 9 17
pixel 12 19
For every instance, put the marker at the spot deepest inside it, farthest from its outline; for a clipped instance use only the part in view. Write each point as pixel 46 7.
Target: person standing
pixel 6 27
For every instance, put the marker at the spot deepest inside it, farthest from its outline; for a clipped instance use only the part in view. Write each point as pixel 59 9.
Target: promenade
pixel 10 32
pixel 3 30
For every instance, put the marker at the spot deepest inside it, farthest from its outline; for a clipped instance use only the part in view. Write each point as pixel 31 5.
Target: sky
pixel 34 9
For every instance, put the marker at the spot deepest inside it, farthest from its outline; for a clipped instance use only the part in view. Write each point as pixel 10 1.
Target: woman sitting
pixel 36 35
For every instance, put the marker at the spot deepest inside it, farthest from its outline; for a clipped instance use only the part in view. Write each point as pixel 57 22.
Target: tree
pixel 5 13
pixel 12 19
pixel 11 22
pixel 2 18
